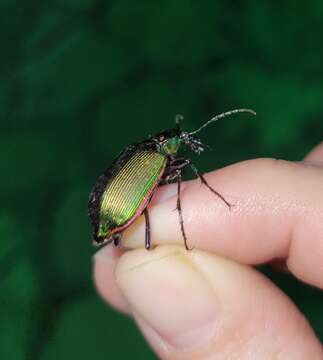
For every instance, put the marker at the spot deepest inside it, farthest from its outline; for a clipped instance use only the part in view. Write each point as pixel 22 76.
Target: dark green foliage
pixel 82 79
pixel 103 337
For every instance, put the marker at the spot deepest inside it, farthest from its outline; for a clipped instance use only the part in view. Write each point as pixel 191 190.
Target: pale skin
pixel 211 303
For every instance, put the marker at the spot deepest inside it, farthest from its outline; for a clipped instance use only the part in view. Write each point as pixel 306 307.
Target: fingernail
pixel 166 290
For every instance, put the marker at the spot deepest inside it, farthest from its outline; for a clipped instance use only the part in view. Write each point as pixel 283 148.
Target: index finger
pixel 277 213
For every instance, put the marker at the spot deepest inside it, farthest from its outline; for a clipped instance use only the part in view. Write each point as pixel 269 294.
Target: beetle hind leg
pixel 147 232
pixel 116 238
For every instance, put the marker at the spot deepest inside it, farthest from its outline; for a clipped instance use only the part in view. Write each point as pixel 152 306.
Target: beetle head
pixel 192 142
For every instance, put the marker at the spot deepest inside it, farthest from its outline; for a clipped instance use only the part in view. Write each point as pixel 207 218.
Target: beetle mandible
pixel 125 189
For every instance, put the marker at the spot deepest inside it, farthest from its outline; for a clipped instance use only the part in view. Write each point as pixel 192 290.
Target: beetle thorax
pixel 170 146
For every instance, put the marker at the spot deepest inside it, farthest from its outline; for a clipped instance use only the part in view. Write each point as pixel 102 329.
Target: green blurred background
pixel 80 80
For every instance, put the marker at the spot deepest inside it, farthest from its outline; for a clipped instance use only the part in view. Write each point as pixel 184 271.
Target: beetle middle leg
pixel 174 173
pixel 179 208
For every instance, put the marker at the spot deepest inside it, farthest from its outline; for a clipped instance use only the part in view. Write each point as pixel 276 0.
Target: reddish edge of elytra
pixel 141 207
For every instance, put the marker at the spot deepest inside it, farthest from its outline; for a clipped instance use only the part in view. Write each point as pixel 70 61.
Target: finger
pixel 277 213
pixel 316 154
pixel 194 305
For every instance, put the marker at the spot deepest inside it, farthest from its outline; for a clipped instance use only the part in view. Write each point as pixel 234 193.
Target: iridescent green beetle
pixel 125 189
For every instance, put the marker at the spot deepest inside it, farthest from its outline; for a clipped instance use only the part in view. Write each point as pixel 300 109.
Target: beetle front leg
pixel 179 163
pixel 204 182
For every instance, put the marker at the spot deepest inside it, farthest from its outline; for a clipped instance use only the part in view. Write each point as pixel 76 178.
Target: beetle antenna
pixel 220 116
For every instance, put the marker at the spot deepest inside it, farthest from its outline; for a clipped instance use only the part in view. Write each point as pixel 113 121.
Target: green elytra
pixel 145 168
pixel 131 186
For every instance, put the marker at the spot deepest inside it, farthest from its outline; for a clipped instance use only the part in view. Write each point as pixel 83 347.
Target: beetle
pixel 125 189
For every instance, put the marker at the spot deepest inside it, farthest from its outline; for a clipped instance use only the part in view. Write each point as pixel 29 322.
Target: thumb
pixel 194 305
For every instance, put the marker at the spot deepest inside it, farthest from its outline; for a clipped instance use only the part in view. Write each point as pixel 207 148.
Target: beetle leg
pixel 147 234
pixel 179 163
pixel 174 173
pixel 204 182
pixel 116 239
pixel 174 166
pixel 179 208
pixel 168 179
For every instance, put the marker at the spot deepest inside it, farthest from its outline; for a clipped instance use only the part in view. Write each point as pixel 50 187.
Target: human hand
pixel 210 303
